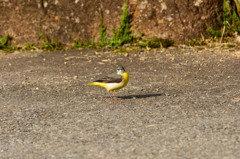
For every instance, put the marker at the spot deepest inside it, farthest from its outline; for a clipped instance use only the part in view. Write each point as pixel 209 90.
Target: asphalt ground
pixel 179 103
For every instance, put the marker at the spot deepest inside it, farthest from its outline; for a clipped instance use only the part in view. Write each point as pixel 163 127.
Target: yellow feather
pixel 97 84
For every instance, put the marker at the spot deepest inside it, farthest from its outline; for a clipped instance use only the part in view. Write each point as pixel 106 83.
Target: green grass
pixel 156 43
pixel 195 42
pixel 83 44
pixel 103 41
pixel 5 44
pixel 49 45
pixel 31 46
pixel 123 35
pixel 230 45
pixel 228 20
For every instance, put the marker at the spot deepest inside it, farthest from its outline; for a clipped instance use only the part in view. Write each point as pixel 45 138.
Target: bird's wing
pixel 112 78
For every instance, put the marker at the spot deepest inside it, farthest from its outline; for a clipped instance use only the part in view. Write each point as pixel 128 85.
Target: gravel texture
pixel 179 103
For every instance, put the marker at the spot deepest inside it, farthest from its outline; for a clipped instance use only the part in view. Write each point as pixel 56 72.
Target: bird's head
pixel 120 70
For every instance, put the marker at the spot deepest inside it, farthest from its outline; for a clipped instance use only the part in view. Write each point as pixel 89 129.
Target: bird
pixel 114 81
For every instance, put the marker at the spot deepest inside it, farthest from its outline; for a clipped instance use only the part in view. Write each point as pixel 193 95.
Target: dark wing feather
pixel 111 79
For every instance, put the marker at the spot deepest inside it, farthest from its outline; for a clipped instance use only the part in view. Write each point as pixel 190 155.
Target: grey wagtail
pixel 114 81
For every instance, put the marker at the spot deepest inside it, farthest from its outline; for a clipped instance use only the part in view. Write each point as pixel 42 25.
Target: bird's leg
pixel 113 97
pixel 113 94
pixel 116 98
pixel 110 95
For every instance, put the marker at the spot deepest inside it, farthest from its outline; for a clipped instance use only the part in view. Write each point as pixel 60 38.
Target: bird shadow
pixel 141 96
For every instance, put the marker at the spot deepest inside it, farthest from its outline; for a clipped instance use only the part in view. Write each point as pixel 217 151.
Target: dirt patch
pixel 179 103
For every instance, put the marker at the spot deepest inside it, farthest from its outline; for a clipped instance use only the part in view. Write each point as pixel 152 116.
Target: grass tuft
pixel 5 44
pixel 49 45
pixel 103 41
pixel 123 35
pixel 228 20
pixel 31 46
pixel 84 43
pixel 156 43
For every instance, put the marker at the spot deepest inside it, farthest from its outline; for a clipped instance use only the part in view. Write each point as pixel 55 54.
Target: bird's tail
pixel 97 84
pixel 92 83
